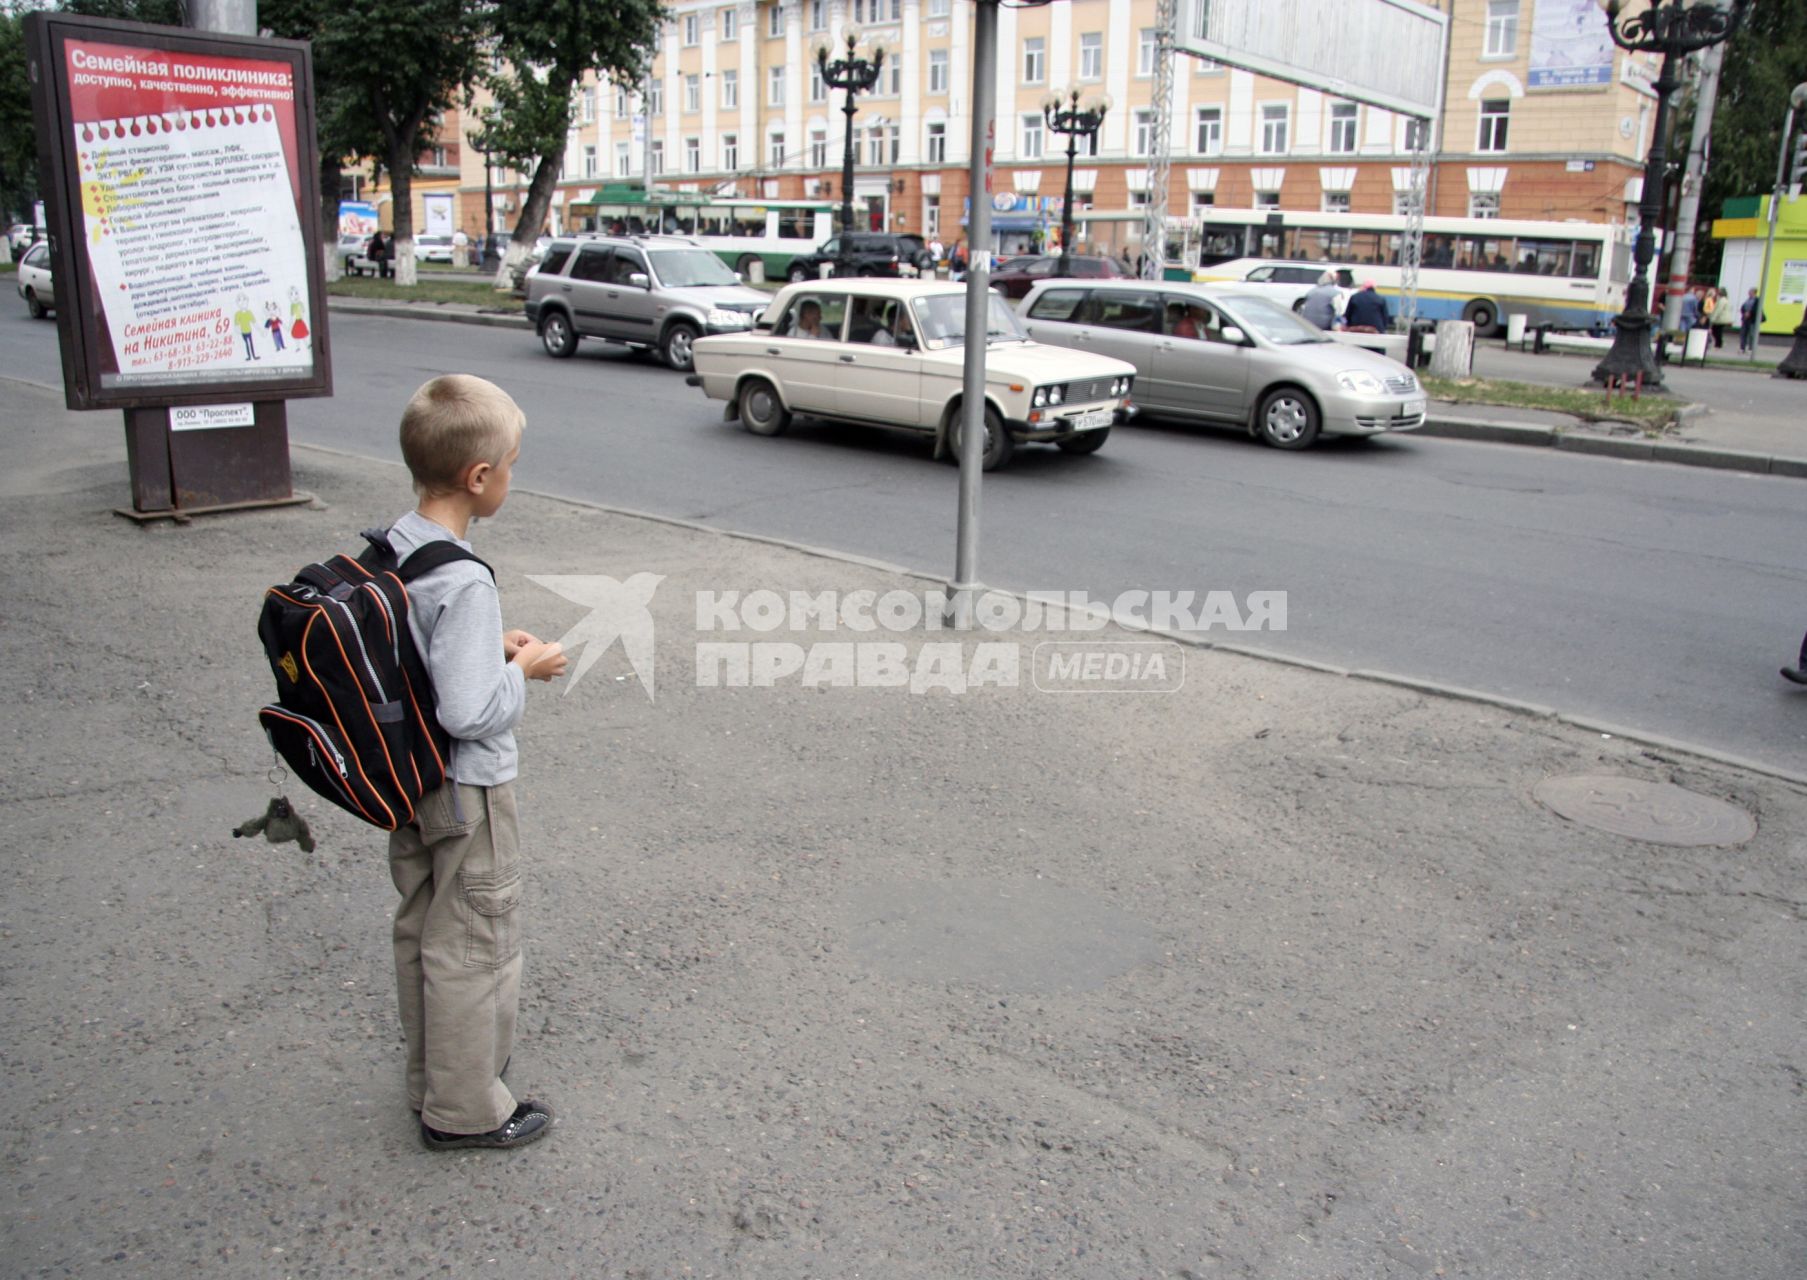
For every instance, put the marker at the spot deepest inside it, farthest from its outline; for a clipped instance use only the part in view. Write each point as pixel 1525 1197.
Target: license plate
pixel 1093 420
pixel 1413 407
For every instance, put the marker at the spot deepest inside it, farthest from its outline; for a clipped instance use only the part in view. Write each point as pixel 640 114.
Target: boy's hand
pixel 541 661
pixel 514 641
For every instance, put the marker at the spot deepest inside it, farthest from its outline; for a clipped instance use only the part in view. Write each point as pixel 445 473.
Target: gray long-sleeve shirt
pixel 455 616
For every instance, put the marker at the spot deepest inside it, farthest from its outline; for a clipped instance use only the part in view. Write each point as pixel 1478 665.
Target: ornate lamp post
pixel 1673 28
pixel 857 74
pixel 1064 114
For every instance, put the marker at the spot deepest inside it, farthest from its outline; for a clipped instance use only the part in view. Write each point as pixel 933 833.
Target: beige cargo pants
pixel 458 953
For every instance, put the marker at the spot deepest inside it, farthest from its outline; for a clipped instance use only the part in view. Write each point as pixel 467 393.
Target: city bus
pixel 1568 274
pixel 740 232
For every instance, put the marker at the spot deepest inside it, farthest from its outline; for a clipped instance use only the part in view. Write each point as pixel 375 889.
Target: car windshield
pixel 683 268
pixel 1276 324
pixel 942 320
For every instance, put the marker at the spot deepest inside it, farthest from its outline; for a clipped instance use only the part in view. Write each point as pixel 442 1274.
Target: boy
pixel 457 866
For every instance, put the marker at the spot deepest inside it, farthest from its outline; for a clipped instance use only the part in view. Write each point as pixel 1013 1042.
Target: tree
pixel 396 66
pixel 1763 63
pixel 547 46
pixel 18 137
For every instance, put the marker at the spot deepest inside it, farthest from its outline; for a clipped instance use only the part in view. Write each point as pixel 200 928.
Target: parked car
pixel 1016 277
pixel 870 253
pixel 433 249
pixel 656 293
pixel 891 353
pixel 351 256
pixel 34 281
pixel 1286 283
pixel 1207 355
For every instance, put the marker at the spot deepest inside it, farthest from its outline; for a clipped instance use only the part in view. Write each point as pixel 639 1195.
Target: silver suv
pixel 656 293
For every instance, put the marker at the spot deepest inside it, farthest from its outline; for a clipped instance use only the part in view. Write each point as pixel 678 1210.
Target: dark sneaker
pixel 1796 674
pixel 529 1123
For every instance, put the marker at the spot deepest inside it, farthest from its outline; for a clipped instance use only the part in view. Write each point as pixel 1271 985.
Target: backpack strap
pixel 434 554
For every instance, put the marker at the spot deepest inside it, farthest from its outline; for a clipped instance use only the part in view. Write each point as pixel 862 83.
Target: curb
pixel 1641 450
pixel 1433 688
pixel 419 311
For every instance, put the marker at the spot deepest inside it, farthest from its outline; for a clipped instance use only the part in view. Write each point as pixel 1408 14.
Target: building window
pixel 937 8
pixel 1417 135
pixel 1502 28
pixel 1483 204
pixel 730 152
pixel 655 100
pixel 937 70
pixel 818 15
pixel 774 95
pixel 1201 201
pixel 1138 199
pixel 589 161
pixel 620 103
pixel 1145 47
pixel 439 158
pixel 777 151
pixel 882 144
pixel 1035 60
pixel 693 155
pixel 1336 202
pixel 818 149
pixel 894 72
pixel 1209 132
pixel 586 106
pixel 1267 199
pixel 1206 67
pixel 657 163
pixel 730 89
pixel 690 29
pixel 931 215
pixel 693 93
pixel 1402 203
pixel 1144 140
pixel 1032 138
pixel 624 159
pixel 730 25
pixel 774 26
pixel 1343 117
pixel 818 87
pixel 1494 114
pixel 1274 118
pixel 1091 56
pixel 937 149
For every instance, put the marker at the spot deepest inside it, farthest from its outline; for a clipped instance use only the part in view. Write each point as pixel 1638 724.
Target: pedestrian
pixel 935 249
pixel 1319 306
pixel 457 866
pixel 1750 321
pixel 1690 311
pixel 1722 317
pixel 379 251
pixel 1798 674
pixel 1367 312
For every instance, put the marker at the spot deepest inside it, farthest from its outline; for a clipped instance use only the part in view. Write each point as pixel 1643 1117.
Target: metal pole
pixel 229 17
pixel 965 586
pixel 1681 256
pixel 1775 201
pixel 1632 355
pixel 846 254
pixel 1066 210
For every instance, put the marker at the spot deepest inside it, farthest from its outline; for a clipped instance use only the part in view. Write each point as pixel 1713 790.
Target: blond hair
pixel 453 422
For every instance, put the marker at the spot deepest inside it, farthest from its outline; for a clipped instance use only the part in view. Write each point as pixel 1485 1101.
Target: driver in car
pixel 905 335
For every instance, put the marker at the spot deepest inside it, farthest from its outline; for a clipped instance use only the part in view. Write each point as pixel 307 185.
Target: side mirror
pixel 763 321
pixel 1230 333
pixel 640 280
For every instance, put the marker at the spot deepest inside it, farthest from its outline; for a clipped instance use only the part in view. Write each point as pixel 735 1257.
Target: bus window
pixel 1439 250
pixel 794 226
pixel 1545 257
pixel 715 222
pixel 1587 262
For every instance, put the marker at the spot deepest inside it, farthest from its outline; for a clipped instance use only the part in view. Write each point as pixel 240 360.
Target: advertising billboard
pixel 181 185
pixel 1570 45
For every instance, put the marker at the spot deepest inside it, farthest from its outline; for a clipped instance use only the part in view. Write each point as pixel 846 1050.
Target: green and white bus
pixel 740 232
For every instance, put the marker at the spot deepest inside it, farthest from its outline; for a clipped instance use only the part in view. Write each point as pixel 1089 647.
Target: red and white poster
pixel 190 214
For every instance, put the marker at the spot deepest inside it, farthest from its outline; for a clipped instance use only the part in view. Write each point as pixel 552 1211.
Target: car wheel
pixel 866 271
pixel 1288 419
pixel 798 273
pixel 675 347
pixel 556 334
pixel 761 411
pixel 998 444
pixel 1482 316
pixel 1085 441
pixel 37 309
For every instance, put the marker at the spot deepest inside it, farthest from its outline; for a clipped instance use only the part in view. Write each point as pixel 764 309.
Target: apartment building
pixel 1544 117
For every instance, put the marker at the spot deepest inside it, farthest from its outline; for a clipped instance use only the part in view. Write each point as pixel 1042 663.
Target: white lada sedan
pixel 889 352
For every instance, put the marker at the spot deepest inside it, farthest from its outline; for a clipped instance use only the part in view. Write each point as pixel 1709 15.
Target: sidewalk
pixel 1281 975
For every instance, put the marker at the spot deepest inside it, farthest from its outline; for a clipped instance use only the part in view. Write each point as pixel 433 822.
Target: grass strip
pixel 476 293
pixel 1653 413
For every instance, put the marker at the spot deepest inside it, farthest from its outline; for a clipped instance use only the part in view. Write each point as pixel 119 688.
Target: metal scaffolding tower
pixel 1411 253
pixel 1160 161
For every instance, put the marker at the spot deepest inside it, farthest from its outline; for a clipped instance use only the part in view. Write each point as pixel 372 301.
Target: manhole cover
pixel 1655 812
pixel 1006 935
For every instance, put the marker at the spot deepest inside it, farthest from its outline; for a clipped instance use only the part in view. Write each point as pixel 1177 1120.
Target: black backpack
pixel 355 715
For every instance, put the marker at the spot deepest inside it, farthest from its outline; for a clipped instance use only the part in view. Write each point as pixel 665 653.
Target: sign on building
pixel 1570 45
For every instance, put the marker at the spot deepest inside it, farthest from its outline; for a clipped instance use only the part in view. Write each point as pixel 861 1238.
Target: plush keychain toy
pixel 279 822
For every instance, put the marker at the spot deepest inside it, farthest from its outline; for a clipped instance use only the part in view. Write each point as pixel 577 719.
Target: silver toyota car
pixel 1207 355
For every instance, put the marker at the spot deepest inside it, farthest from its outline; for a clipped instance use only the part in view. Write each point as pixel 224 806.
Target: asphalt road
pixel 1658 597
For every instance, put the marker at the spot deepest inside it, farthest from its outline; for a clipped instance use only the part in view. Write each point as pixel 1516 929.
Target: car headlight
pixel 728 319
pixel 1358 380
pixel 1056 394
pixel 1039 399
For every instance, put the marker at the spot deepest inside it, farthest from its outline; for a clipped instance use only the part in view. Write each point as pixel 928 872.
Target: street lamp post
pixel 1794 364
pixel 1673 28
pixel 1064 114
pixel 856 74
